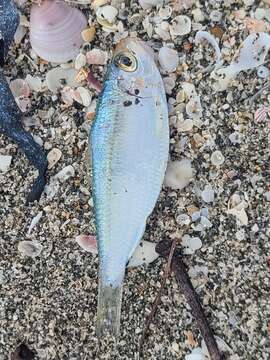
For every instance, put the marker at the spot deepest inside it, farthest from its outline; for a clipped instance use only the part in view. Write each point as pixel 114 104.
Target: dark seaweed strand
pixel 2 52
pixel 10 125
pixel 9 20
pixel 182 277
pixel 10 114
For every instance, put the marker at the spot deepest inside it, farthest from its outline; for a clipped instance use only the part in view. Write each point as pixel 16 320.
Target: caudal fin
pixel 109 310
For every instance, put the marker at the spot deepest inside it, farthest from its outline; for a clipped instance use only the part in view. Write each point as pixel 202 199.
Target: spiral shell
pixel 55 31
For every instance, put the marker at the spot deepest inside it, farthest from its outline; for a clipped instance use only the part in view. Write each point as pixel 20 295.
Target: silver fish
pixel 129 143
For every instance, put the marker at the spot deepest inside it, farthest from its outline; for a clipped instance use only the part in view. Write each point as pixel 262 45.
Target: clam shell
pixel 55 31
pixel 96 57
pixel 168 59
pixel 181 25
pixel 56 76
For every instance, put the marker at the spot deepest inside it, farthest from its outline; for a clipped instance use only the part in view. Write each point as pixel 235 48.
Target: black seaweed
pixel 10 114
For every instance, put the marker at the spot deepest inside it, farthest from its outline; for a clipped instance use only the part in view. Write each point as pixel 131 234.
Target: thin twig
pixel 158 296
pixel 258 93
pixel 182 277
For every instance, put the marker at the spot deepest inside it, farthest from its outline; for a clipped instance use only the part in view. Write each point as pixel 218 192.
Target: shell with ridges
pixel 55 31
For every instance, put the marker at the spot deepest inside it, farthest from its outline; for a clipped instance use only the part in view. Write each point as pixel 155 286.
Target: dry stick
pixel 258 93
pixel 182 277
pixel 158 296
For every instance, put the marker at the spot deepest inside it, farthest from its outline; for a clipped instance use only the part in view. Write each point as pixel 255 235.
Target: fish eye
pixel 126 62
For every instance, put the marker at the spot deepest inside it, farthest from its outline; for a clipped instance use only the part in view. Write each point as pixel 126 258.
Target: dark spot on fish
pixel 137 101
pixel 127 103
pixel 137 91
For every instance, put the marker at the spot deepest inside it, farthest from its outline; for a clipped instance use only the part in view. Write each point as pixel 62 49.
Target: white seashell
pixel 19 88
pixel 19 34
pixel 208 194
pixel 165 12
pixel 20 3
pixel 66 173
pixel 85 96
pixel 29 248
pixel 215 16
pixel 34 83
pixel 97 3
pixel 107 13
pixel 148 4
pixel 204 35
pixel 263 72
pixel 168 59
pixel 252 53
pixel 189 90
pixel 191 243
pixel 222 345
pixel 5 161
pixel 169 83
pixel 51 189
pixel 217 158
pixel 162 30
pixel 34 222
pixel 80 61
pixel 183 219
pixel 198 15
pixel 185 125
pixel 67 95
pixel 96 57
pixel 178 174
pixel 181 25
pixel 55 30
pixel 148 27
pixel 144 253
pixel 194 108
pixel 21 93
pixel 58 75
pixel 236 207
pixel 196 354
pixel 53 157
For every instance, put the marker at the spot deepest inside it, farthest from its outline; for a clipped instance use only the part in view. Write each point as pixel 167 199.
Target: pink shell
pixel 88 243
pixel 55 30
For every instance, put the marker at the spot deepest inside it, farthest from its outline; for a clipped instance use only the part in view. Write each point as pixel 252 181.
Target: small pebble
pixel 5 162
pixel 53 157
pixel 263 72
pixel 208 194
pixel 183 219
pixel 178 174
pixel 217 158
pixel 80 61
pixel 29 248
pixel 88 35
pixel 66 173
pixel 168 59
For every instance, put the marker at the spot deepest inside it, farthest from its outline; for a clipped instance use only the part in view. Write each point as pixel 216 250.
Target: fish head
pixel 133 65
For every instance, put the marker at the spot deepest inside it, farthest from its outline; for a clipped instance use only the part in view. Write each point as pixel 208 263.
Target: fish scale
pixel 129 145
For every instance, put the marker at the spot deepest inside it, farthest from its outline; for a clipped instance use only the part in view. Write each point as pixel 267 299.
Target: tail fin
pixel 109 310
